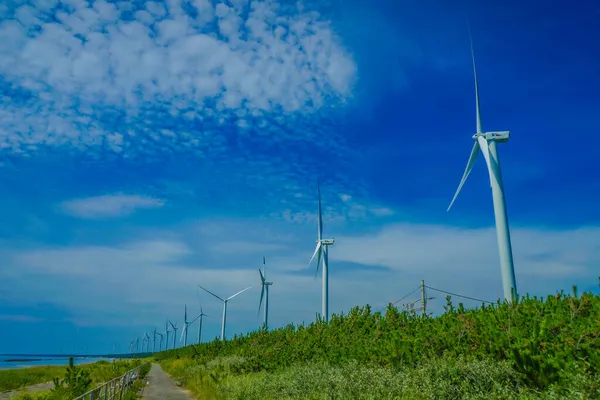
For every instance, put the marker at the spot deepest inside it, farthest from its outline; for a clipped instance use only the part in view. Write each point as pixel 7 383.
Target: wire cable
pixel 417 288
pixel 459 295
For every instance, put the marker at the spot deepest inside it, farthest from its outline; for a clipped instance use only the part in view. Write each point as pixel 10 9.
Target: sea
pixel 24 361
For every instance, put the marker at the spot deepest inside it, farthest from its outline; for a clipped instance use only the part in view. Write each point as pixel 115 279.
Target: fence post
pixel 122 386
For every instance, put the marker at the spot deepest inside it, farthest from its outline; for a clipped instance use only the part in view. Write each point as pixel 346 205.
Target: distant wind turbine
pixel 147 343
pixel 486 142
pixel 185 327
pixel 225 301
pixel 264 290
pixel 154 341
pixel 161 340
pixel 174 326
pixel 167 333
pixel 184 338
pixel 322 250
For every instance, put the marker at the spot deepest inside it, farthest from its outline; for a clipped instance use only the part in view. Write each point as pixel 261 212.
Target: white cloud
pixel 106 206
pixel 263 58
pixel 143 281
pixel 19 318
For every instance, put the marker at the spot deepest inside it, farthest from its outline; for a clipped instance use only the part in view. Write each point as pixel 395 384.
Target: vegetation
pixel 534 348
pixel 11 379
pixel 78 380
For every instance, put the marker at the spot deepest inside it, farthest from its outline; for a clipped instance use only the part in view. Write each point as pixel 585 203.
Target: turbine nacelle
pixel 500 137
pixel 327 242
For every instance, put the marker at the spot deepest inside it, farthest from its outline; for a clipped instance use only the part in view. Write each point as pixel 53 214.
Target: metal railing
pixel 114 389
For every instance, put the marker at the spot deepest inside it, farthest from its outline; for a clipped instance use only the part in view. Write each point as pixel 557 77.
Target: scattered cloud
pixel 109 206
pixel 19 318
pixel 74 73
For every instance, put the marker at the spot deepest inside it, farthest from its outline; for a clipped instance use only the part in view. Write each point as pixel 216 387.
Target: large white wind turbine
pixel 322 251
pixel 265 290
pixel 486 142
pixel 225 301
pixel 174 326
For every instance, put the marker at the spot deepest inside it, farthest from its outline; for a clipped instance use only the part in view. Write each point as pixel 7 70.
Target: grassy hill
pixel 534 348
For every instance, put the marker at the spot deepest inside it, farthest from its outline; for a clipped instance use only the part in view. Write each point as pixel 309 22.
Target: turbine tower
pixel 322 250
pixel 161 340
pixel 185 326
pixel 154 341
pixel 265 290
pixel 147 343
pixel 174 333
pixel 225 301
pixel 487 143
pixel 199 322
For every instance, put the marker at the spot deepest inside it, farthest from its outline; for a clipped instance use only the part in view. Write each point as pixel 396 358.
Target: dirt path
pixel 40 387
pixel 161 386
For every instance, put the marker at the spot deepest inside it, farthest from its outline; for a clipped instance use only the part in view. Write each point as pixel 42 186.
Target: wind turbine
pixel 185 327
pixel 147 343
pixel 265 289
pixel 224 307
pixel 167 333
pixel 154 341
pixel 161 340
pixel 322 250
pixel 174 333
pixel 487 143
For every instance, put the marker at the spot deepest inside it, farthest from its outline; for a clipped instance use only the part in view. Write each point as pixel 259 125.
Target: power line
pixel 459 295
pixel 417 288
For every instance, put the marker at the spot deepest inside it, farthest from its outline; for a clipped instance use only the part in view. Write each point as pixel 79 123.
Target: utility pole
pixel 423 299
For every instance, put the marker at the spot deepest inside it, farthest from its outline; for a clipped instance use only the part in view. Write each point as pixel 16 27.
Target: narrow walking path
pixel 161 386
pixel 40 387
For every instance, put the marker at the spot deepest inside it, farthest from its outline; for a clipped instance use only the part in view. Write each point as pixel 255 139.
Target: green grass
pixel 100 372
pixel 12 379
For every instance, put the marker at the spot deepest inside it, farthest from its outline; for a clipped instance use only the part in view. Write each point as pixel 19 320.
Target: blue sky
pixel 148 147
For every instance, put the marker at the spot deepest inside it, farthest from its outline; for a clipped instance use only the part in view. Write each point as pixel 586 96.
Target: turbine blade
pixel 264 267
pixel 206 290
pixel 468 169
pixel 238 293
pixel 486 154
pixel 319 260
pixel 315 253
pixel 477 106
pixel 262 294
pixel 262 277
pixel 320 218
